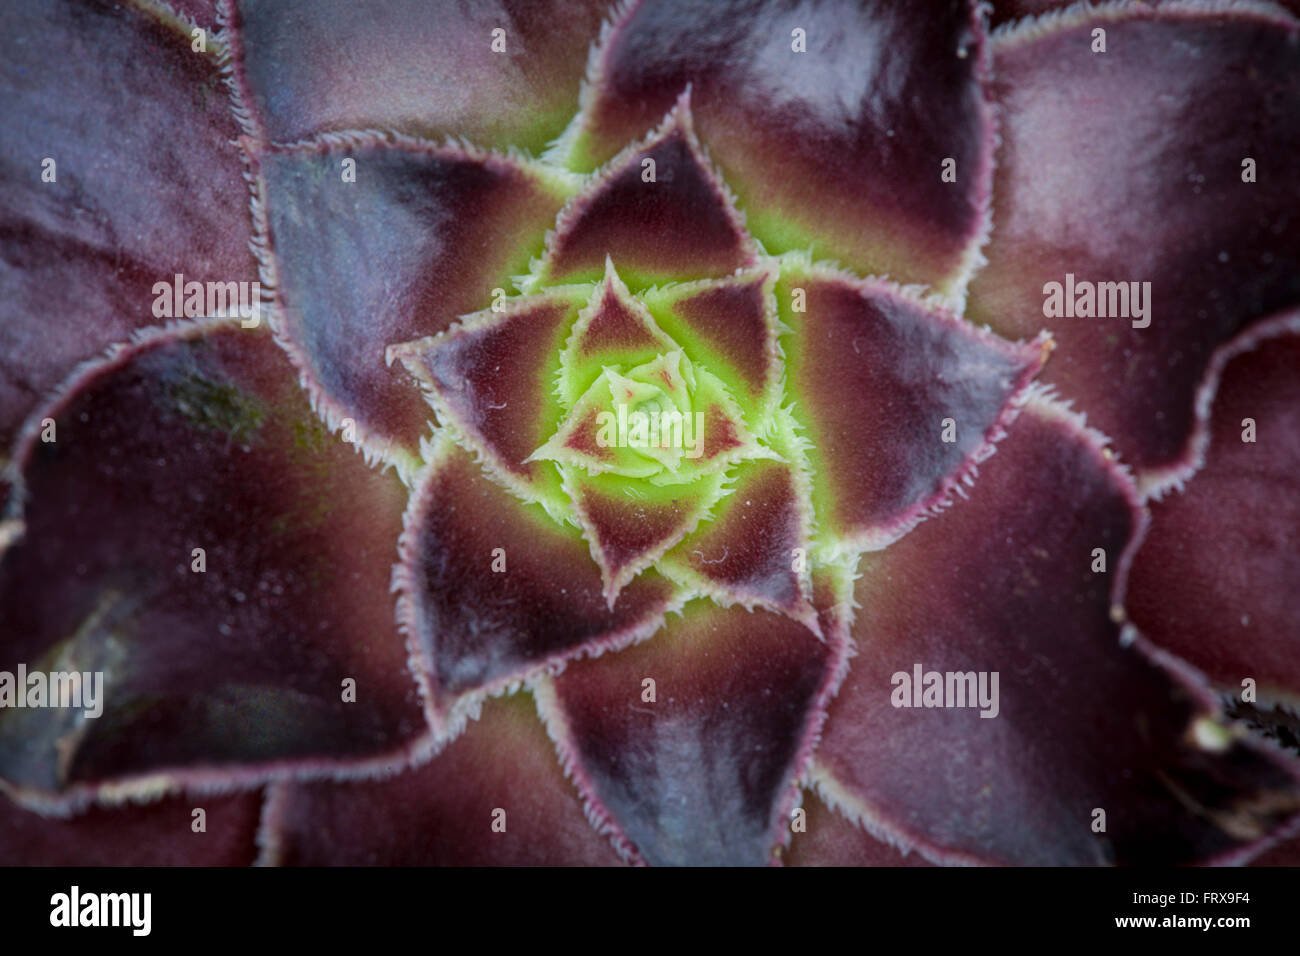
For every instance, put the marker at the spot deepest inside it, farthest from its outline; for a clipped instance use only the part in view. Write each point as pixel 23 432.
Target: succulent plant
pixel 555 432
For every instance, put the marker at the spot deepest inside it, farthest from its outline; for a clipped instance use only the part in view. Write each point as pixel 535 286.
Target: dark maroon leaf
pixel 133 203
pixel 628 526
pixel 479 618
pixel 1216 579
pixel 729 327
pixel 491 377
pixel 423 235
pixel 830 839
pixel 900 399
pixel 757 549
pixel 840 147
pixel 1080 724
pixel 166 832
pixel 657 209
pixel 427 68
pixel 195 537
pixel 705 773
pixel 501 770
pixel 1105 186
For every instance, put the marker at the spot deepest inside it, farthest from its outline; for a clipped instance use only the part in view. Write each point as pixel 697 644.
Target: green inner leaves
pixel 633 428
pixel 648 436
pixel 642 409
pixel 653 422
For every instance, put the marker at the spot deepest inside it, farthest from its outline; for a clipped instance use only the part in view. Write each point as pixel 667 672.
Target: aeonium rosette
pixel 637 560
pixel 639 388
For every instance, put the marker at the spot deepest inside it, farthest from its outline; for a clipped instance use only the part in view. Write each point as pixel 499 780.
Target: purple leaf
pixel 729 326
pixel 196 538
pixel 1216 579
pixel 478 619
pixel 830 839
pixel 490 378
pixel 657 209
pixel 420 67
pixel 1077 724
pixel 629 526
pixel 501 769
pixel 757 548
pixel 423 234
pixel 1173 190
pixel 840 147
pixel 161 833
pixel 899 398
pixel 703 774
pixel 131 203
